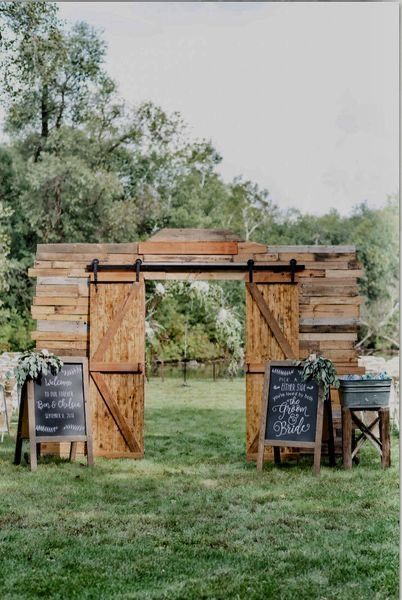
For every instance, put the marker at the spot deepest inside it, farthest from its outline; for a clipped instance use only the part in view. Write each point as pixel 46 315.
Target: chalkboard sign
pixel 54 408
pixel 292 411
pixel 59 403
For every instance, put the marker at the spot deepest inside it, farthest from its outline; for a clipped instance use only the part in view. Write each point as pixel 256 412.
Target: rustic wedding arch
pixel 90 301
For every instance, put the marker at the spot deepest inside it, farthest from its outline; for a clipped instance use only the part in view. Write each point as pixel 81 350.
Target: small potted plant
pixel 35 363
pixel 320 369
pixel 371 390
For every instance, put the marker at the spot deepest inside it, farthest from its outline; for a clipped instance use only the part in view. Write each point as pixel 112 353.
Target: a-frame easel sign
pixel 292 412
pixel 55 409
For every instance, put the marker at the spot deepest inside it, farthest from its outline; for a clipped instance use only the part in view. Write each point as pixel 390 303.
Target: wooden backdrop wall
pixel 328 295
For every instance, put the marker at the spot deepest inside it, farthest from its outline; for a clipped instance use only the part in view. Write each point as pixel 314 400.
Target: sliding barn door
pixel 117 357
pixel 272 333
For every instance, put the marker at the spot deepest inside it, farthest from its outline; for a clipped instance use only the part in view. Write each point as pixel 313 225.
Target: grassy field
pixel 193 520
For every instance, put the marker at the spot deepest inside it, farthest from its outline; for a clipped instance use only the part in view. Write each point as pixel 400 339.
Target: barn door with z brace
pixel 117 357
pixel 272 333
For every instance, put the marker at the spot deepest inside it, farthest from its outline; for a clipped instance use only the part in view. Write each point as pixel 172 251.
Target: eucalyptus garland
pixel 33 364
pixel 322 370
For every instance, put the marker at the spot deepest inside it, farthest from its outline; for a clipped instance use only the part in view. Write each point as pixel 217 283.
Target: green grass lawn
pixel 194 520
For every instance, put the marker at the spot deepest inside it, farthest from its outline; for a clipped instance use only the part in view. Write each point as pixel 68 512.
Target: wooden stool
pixel 382 444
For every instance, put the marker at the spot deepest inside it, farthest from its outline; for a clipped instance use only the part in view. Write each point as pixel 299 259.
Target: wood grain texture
pixel 269 318
pixel 126 345
pixel 196 247
pixel 125 248
pixel 261 345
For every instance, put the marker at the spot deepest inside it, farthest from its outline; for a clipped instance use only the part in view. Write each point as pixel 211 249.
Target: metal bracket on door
pixel 250 265
pixel 138 264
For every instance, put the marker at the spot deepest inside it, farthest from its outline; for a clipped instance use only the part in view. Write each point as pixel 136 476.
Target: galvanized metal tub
pixel 365 393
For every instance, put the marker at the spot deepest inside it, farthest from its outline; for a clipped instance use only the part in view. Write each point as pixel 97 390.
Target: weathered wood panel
pixel 262 345
pixel 197 247
pixel 117 335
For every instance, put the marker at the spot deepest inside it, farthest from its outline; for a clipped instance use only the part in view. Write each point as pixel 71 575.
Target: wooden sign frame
pixel 277 444
pixel 27 424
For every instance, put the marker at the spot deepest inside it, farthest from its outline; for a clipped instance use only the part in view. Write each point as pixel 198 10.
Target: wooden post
pixel 346 438
pixel 31 422
pixel 23 408
pixel 318 436
pixel 385 437
pixel 73 451
pixel 214 370
pixel 277 455
pixel 331 443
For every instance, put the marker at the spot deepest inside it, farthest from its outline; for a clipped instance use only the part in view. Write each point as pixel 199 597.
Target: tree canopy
pixel 79 165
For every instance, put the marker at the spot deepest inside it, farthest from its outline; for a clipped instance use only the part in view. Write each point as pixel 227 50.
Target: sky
pixel 301 98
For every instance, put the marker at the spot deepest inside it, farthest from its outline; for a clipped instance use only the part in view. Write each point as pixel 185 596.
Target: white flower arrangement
pixel 149 332
pixel 160 289
pixel 202 287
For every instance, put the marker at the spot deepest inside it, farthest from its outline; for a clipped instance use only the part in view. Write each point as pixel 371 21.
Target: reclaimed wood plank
pixel 42 310
pixel 64 280
pixel 53 336
pixel 116 367
pixel 72 310
pixel 67 291
pixel 55 317
pixel 346 273
pixel 331 321
pixel 314 300
pixel 188 258
pixel 313 249
pixel 59 326
pixel 267 277
pixel 251 247
pixel 60 300
pixel 309 288
pixel 328 329
pixel 62 345
pixel 83 248
pixel 264 257
pixel 188 247
pixel 60 257
pixel 59 348
pixel 330 310
pixel 328 336
pixel 48 272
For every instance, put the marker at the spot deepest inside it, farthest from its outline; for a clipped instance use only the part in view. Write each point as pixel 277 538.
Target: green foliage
pixel 33 364
pixel 322 370
pixel 15 330
pixel 193 320
pixel 81 166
